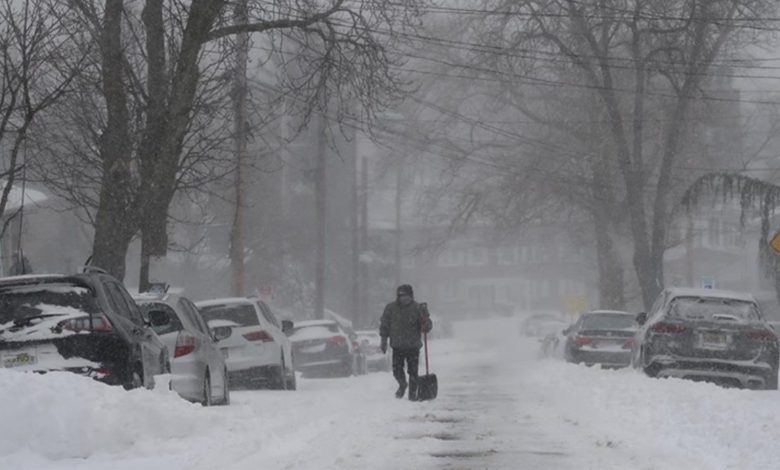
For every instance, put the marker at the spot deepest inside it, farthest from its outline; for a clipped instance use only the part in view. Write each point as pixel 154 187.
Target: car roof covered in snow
pixel 611 312
pixel 305 323
pixel 710 294
pixel 226 301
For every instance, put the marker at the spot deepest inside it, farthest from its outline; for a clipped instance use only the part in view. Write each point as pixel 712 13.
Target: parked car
pixel 257 350
pixel 198 369
pixel 707 334
pixel 601 337
pixel 85 323
pixel 538 324
pixel 323 348
pixel 359 355
pixel 375 358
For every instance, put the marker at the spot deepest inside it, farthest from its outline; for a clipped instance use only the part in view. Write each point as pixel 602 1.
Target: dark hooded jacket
pixel 404 325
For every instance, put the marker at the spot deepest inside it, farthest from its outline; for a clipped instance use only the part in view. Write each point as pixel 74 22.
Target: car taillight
pixel 670 328
pixel 94 323
pixel 185 344
pixel 761 335
pixel 582 340
pixel 339 340
pixel 260 335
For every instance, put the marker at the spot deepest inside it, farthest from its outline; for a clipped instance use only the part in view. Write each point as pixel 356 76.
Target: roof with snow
pixel 711 294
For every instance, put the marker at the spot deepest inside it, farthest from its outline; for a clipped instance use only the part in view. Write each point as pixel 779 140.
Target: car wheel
pixel 292 383
pixel 225 390
pixel 771 381
pixel 207 400
pixel 136 380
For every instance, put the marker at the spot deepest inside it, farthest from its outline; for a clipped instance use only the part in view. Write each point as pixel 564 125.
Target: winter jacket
pixel 404 325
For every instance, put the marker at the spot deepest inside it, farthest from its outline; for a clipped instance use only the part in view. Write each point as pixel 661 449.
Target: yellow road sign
pixel 774 243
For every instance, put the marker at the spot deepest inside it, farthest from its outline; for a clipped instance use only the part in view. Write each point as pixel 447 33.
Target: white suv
pixel 256 348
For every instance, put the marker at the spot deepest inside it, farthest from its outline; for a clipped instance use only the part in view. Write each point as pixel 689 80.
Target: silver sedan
pixel 198 370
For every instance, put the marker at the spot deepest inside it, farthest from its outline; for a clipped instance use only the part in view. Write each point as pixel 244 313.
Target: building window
pixel 507 256
pixel 477 256
pixel 451 257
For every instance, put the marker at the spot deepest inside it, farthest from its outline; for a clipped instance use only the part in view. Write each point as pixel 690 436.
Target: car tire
pixel 771 381
pixel 225 390
pixel 207 398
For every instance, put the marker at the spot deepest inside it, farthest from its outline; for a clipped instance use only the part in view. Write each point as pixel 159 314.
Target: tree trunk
pixel 115 224
pixel 611 282
pixel 320 195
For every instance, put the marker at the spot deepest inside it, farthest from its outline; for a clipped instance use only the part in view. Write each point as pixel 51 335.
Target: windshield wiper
pixel 26 320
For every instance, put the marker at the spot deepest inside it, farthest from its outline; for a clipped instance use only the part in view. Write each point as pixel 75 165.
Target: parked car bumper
pixel 746 374
pixel 605 358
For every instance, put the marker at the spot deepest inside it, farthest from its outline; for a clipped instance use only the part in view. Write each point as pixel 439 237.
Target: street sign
pixel 774 243
pixel 708 282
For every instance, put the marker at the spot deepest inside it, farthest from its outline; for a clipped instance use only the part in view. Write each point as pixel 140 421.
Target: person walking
pixel 403 323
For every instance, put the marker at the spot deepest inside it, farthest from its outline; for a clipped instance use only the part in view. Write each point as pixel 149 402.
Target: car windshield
pixel 174 322
pixel 243 314
pixel 313 332
pixel 699 308
pixel 21 302
pixel 608 321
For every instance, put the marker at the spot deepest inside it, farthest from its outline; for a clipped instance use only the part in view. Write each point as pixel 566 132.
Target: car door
pixel 212 354
pixel 276 331
pixel 150 345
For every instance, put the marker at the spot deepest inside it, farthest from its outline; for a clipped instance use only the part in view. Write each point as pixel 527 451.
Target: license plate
pixel 714 341
pixel 313 349
pixel 20 359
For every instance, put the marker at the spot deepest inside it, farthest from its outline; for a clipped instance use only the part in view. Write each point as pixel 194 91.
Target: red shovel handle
pixel 425 341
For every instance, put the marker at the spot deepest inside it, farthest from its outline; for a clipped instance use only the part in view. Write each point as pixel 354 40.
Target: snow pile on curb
pixel 61 415
pixel 659 421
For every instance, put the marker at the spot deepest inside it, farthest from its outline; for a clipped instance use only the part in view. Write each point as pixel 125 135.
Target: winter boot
pixel 401 391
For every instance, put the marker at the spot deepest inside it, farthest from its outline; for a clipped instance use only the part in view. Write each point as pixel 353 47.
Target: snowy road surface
pixel 499 408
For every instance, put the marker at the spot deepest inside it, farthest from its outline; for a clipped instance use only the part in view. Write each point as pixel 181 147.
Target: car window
pixel 608 321
pixel 712 309
pixel 314 332
pixel 116 302
pixel 128 302
pixel 174 322
pixel 20 302
pixel 268 315
pixel 194 315
pixel 243 314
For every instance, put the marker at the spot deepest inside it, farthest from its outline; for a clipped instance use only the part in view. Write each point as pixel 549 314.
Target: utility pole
pixel 363 304
pixel 241 118
pixel 398 202
pixel 321 216
pixel 354 215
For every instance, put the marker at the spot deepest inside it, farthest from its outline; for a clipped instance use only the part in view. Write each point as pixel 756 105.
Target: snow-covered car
pixel 84 323
pixel 257 350
pixel 375 358
pixel 323 348
pixel 601 337
pixel 707 334
pixel 198 369
pixel 537 325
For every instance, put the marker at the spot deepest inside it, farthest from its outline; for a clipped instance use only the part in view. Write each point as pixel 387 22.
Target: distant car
pixel 376 359
pixel 601 337
pixel 257 350
pixel 323 348
pixel 198 369
pixel 707 334
pixel 537 325
pixel 84 323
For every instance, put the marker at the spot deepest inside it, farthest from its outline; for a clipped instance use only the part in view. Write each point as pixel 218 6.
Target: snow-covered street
pixel 499 407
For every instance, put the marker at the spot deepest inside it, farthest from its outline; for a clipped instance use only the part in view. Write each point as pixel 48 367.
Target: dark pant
pixel 412 358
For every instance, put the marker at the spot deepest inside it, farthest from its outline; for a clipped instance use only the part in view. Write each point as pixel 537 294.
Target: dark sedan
pixel 708 335
pixel 84 323
pixel 601 337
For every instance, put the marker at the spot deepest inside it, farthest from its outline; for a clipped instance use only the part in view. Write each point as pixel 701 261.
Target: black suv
pixel 84 323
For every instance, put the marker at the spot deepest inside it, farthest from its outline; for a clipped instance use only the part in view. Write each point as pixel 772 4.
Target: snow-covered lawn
pixel 499 407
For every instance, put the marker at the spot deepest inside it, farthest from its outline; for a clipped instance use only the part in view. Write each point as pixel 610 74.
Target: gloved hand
pixel 383 346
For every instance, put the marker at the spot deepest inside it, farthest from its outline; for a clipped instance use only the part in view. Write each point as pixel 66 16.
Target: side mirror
pixel 221 332
pixel 641 318
pixel 158 318
pixel 287 326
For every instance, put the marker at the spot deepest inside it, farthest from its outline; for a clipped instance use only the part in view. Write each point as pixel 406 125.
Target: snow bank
pixel 61 415
pixel 657 423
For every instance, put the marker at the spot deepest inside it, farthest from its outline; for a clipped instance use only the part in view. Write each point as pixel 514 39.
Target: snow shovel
pixel 428 384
